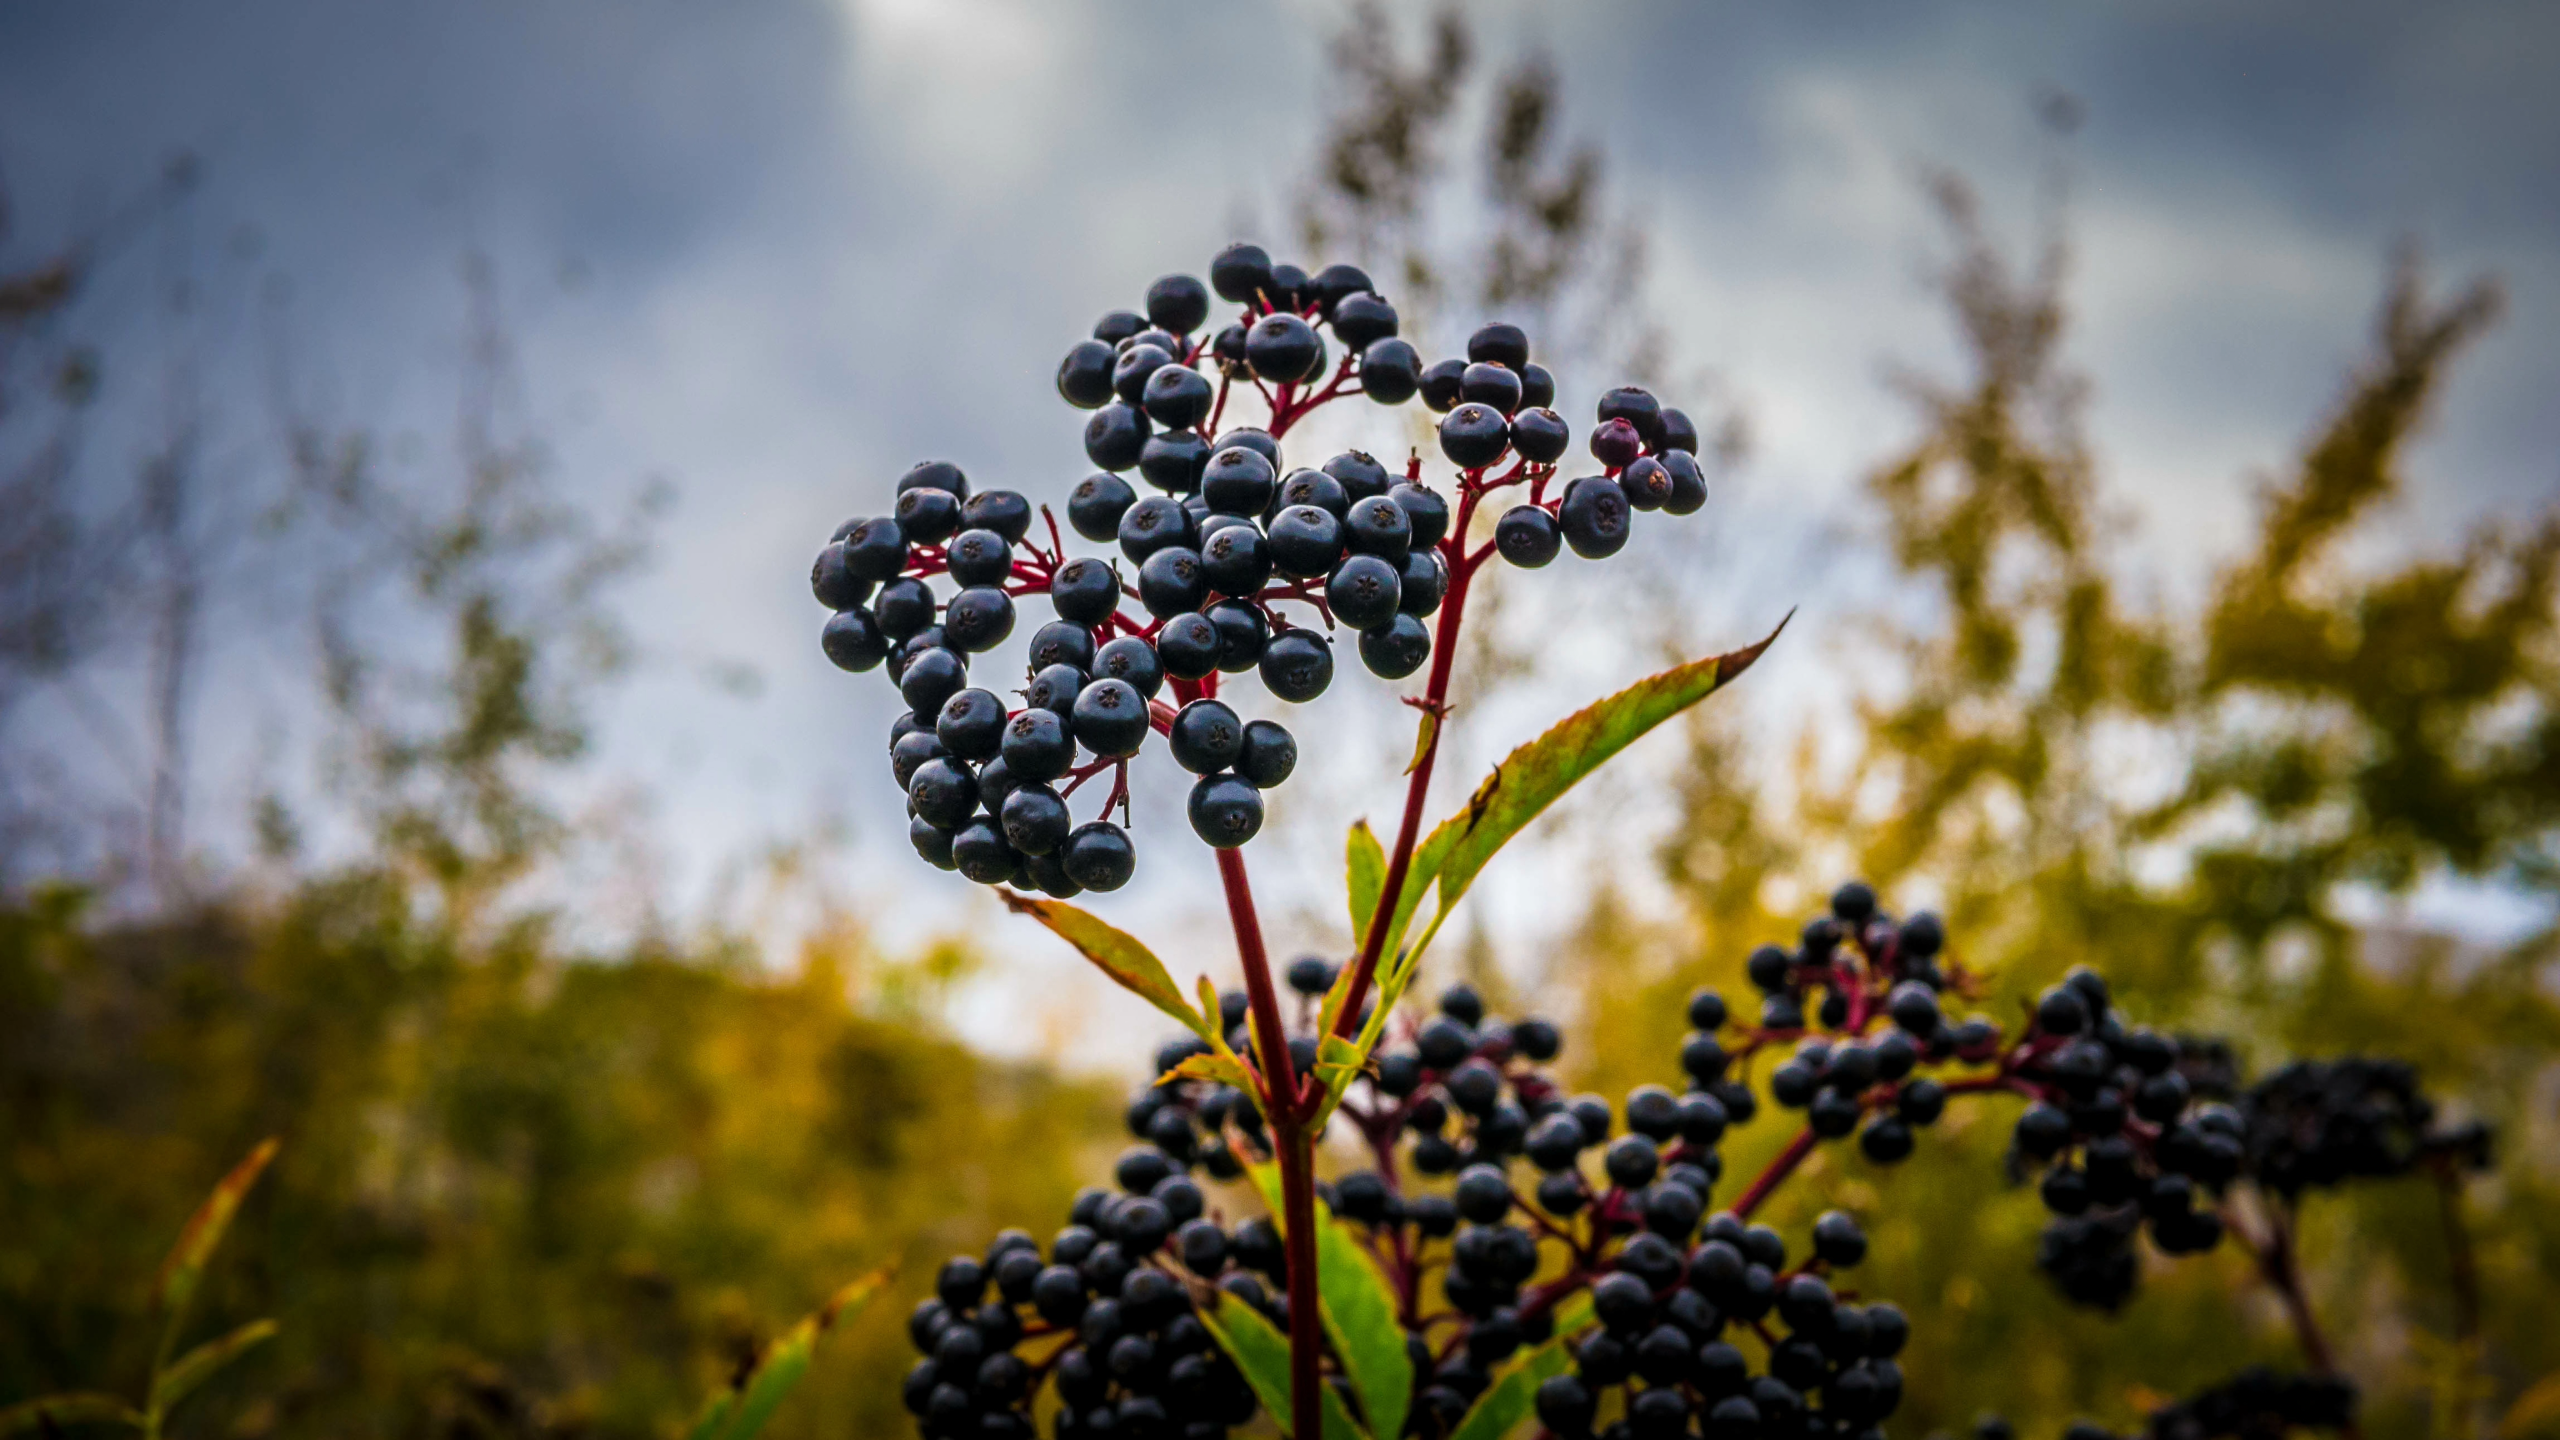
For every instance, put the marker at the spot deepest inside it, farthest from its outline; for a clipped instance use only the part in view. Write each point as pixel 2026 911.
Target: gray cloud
pixel 821 241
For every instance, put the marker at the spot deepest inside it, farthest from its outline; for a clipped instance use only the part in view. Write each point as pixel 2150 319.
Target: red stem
pixel 1295 1149
pixel 1435 708
pixel 1779 1169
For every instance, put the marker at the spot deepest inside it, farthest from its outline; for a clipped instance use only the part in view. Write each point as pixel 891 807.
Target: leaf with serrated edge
pixel 1359 1310
pixel 1116 953
pixel 1523 785
pixel 1531 777
pixel 44 1415
pixel 183 1271
pixel 739 1412
pixel 1514 1391
pixel 198 1365
pixel 1261 1352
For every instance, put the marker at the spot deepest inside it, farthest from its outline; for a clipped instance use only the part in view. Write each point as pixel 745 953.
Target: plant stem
pixel 1294 1147
pixel 2465 1269
pixel 1779 1169
pixel 1435 710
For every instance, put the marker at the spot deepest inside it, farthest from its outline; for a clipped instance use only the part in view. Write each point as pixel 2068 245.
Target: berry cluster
pixel 1109 1319
pixel 1663 1323
pixel 2125 1138
pixel 1458 1093
pixel 1869 967
pixel 2256 1404
pixel 2138 1129
pixel 1234 535
pixel 1706 1326
pixel 2320 1123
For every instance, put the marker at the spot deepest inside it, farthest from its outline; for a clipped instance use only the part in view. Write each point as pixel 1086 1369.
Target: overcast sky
pixel 774 252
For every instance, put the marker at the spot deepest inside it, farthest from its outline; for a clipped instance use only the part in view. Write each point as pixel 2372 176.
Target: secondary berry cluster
pixel 1491 1197
pixel 2256 1404
pixel 1238 564
pixel 2138 1131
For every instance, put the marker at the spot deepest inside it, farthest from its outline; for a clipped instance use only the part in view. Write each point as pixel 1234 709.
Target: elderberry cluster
pixel 1235 535
pixel 1868 968
pixel 2256 1404
pixel 2127 1135
pixel 2316 1124
pixel 1663 1321
pixel 2139 1130
pixel 1109 1319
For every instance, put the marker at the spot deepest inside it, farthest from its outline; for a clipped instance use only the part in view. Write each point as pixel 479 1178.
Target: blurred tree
pixel 2181 802
pixel 1533 238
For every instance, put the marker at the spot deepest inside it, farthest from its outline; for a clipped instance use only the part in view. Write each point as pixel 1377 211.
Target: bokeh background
pixel 415 423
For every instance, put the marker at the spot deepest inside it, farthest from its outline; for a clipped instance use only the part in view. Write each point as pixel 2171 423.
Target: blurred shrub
pixel 522 1192
pixel 2209 807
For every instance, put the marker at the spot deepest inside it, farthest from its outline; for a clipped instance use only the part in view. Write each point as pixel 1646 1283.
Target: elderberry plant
pixel 1506 1250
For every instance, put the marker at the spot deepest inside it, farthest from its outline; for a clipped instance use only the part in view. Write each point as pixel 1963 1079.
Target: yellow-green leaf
pixel 183 1271
pixel 1364 866
pixel 1218 1069
pixel 199 1365
pixel 53 1411
pixel 1531 777
pixel 740 1411
pixel 1514 1391
pixel 1117 953
pixel 1261 1352
pixel 1359 1311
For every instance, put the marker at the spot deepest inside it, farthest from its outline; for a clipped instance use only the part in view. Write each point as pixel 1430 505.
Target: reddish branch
pixel 1295 1147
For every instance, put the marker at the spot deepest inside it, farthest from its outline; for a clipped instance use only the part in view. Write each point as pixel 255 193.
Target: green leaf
pixel 1364 866
pixel 1531 777
pixel 52 1411
pixel 183 1271
pixel 1520 789
pixel 1217 1069
pixel 1261 1352
pixel 1359 1310
pixel 1360 1313
pixel 198 1365
pixel 740 1411
pixel 1514 1391
pixel 1117 953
